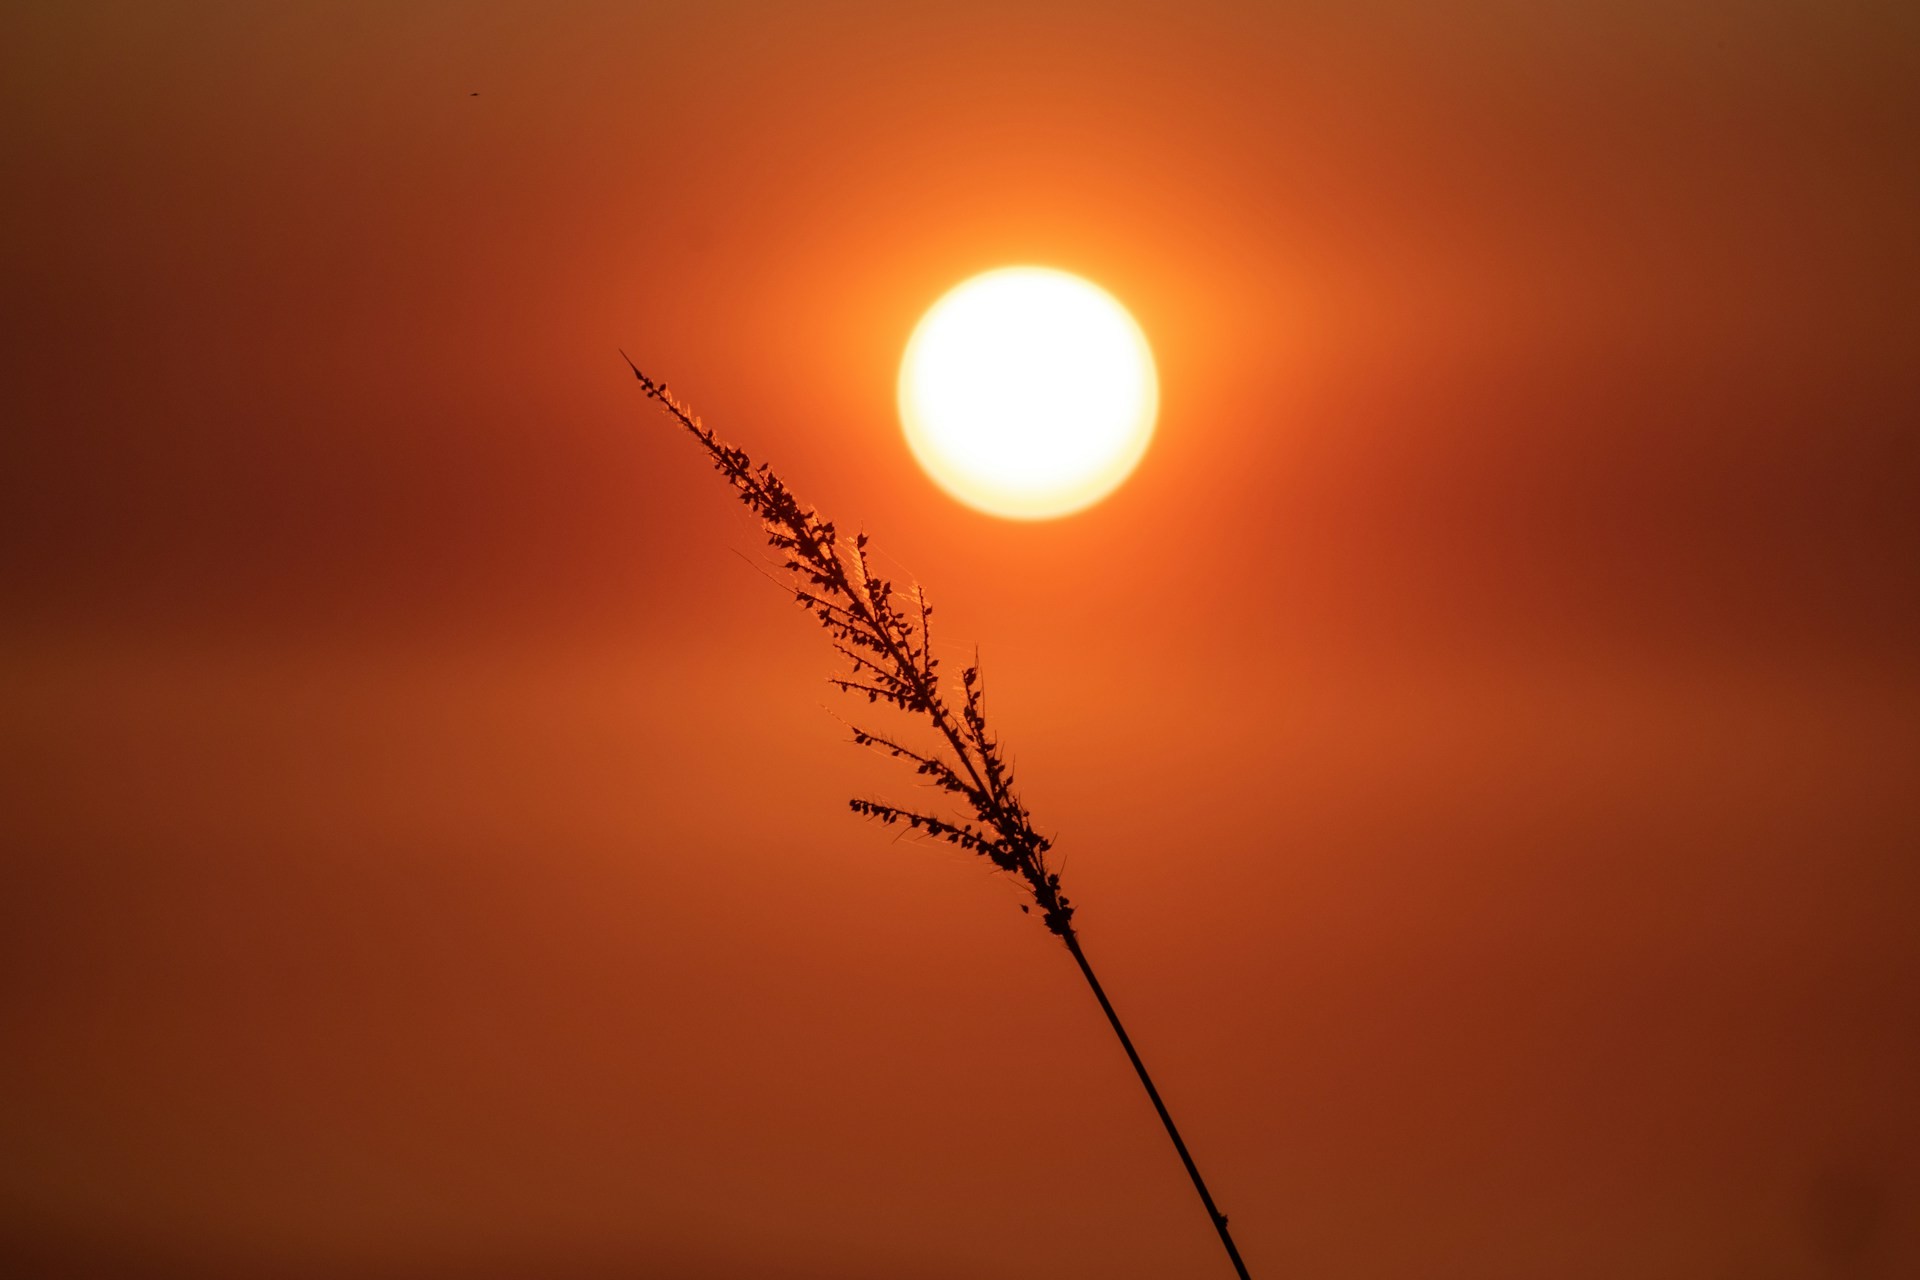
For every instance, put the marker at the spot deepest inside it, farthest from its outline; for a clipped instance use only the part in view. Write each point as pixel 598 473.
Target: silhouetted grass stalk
pixel 888 648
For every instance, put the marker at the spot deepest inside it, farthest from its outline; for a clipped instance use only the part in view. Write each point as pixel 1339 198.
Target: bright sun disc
pixel 1028 393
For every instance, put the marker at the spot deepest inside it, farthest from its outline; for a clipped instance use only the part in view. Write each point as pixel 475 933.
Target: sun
pixel 1028 393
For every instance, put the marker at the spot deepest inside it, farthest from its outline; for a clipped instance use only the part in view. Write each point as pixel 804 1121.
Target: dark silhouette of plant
pixel 886 639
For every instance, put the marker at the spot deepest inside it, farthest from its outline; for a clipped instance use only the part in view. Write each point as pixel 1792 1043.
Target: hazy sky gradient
pixel 1482 735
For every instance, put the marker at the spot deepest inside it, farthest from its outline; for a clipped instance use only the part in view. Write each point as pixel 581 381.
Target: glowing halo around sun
pixel 1028 393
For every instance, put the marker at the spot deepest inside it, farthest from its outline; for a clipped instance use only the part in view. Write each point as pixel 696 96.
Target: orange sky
pixel 1482 735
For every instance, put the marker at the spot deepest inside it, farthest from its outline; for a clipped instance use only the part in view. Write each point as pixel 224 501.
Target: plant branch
pixel 895 649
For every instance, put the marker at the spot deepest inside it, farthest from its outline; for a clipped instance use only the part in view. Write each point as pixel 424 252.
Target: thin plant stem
pixel 1218 1218
pixel 887 639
